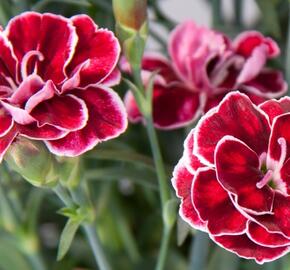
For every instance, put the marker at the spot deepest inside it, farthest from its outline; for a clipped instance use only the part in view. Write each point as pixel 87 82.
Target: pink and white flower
pixel 233 177
pixel 204 66
pixel 55 79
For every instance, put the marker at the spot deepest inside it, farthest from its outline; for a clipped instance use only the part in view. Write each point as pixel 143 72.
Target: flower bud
pixel 32 161
pixel 130 13
pixel 131 28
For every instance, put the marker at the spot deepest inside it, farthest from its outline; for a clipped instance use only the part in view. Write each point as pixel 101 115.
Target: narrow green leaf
pixel 67 237
pixel 183 231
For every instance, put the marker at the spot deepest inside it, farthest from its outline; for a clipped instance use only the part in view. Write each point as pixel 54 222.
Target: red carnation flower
pixel 205 65
pixel 234 177
pixel 55 75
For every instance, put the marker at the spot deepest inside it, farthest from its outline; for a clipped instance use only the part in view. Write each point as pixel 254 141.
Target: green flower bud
pixel 131 28
pixel 130 13
pixel 33 161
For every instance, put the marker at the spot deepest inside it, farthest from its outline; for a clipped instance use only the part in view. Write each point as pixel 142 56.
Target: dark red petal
pixel 182 182
pixel 7 60
pixel 113 79
pixel 279 221
pixel 6 140
pixel 280 129
pixel 275 108
pixel 97 46
pixel 57 44
pixel 107 120
pixel 156 62
pixel 284 182
pixel 268 84
pixel 6 122
pixel 174 106
pixel 46 132
pixel 245 248
pixel 191 161
pixel 238 172
pixel 247 41
pixel 23 32
pixel 134 114
pixel 64 112
pixel 51 35
pixel 261 236
pixel 237 116
pixel 214 205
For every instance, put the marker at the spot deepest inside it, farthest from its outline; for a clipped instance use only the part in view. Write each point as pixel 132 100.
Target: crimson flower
pixel 234 177
pixel 55 78
pixel 204 66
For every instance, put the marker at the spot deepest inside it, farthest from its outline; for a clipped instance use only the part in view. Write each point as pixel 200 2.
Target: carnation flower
pixel 55 78
pixel 234 177
pixel 204 66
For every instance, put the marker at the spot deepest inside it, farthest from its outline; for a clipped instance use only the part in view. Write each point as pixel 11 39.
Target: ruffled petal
pixel 156 62
pixel 214 205
pixel 238 172
pixel 182 182
pixel 253 65
pixel 280 130
pixel 63 112
pixel 46 132
pixel 236 116
pixel 188 43
pixel 99 48
pixel 107 120
pixel 191 161
pixel 26 89
pixel 246 42
pixel 6 140
pixel 268 84
pixel 275 108
pixel 284 182
pixel 174 106
pixel 279 221
pixel 262 237
pixel 6 122
pixel 245 248
pixel 19 115
pixel 8 61
pixel 52 35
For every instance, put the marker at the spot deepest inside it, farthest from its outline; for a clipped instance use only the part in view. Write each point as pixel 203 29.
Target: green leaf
pixel 67 237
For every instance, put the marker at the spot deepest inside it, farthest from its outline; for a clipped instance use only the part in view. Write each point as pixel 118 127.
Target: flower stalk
pixel 77 197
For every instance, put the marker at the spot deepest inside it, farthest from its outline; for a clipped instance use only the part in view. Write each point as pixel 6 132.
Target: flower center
pixel 25 62
pixel 272 176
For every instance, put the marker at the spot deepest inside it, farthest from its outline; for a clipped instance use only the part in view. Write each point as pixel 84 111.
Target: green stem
pixel 163 249
pixel 89 229
pixel 158 160
pixel 94 241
